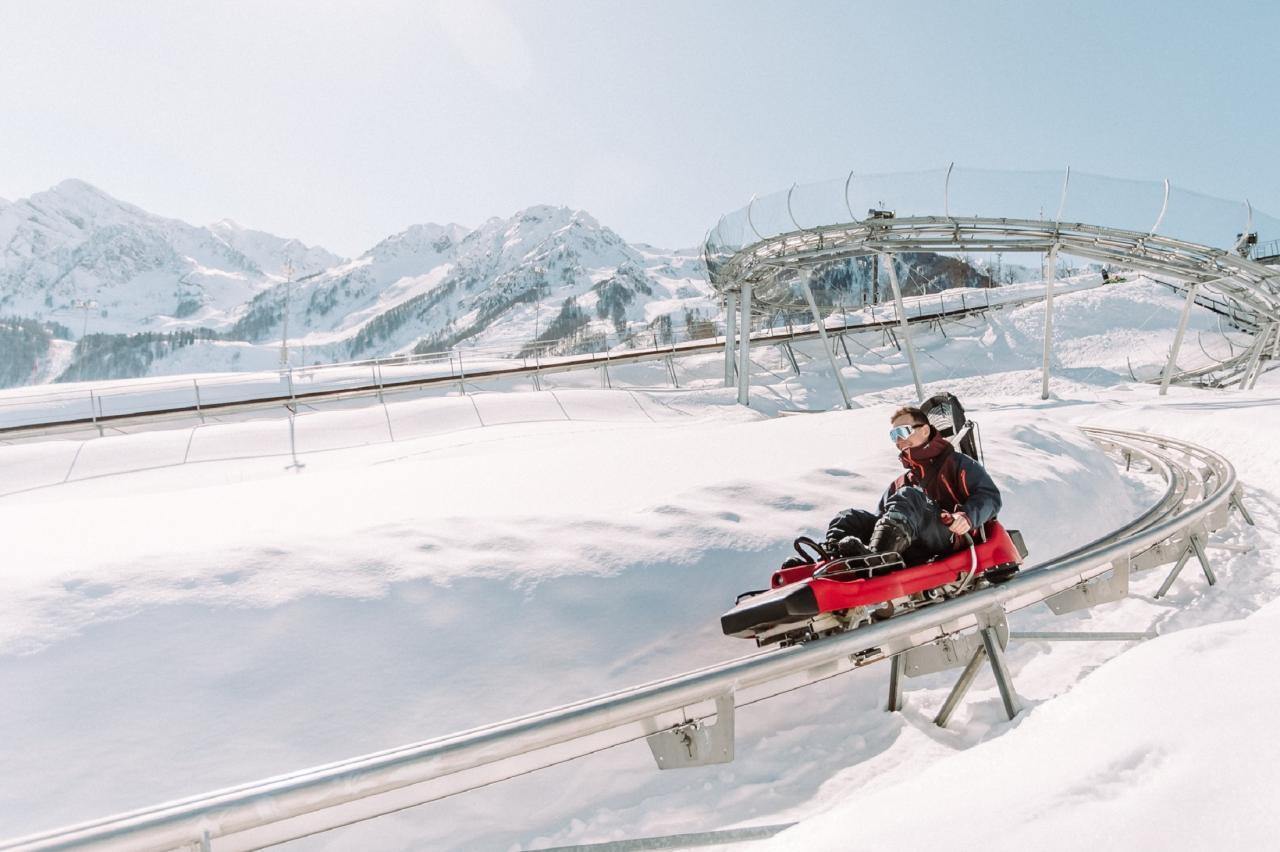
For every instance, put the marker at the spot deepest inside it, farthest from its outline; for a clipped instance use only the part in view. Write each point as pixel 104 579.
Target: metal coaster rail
pixel 1201 488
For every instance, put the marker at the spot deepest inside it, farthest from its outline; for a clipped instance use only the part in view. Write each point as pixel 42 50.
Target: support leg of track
pixel 962 686
pixel 845 347
pixel 827 347
pixel 991 642
pixel 791 356
pixel 1173 575
pixel 1050 269
pixel 1177 339
pixel 730 335
pixel 904 325
pixel 1239 506
pixel 897 670
pixel 744 345
pixel 1198 546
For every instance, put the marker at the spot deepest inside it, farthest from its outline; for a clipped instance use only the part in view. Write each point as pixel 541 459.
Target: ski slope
pixel 169 624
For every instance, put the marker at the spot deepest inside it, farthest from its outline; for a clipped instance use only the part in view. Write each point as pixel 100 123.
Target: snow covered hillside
pixel 159 296
pixel 186 609
pixel 75 244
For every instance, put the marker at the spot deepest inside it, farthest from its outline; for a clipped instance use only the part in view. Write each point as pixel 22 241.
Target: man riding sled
pixel 943 495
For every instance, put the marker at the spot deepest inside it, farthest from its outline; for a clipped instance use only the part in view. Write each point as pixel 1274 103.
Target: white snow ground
pixel 180 611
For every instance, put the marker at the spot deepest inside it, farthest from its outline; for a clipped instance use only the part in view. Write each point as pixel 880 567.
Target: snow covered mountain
pixel 141 294
pixel 75 253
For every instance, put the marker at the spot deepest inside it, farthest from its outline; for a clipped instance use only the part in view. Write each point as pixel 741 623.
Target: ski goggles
pixel 901 433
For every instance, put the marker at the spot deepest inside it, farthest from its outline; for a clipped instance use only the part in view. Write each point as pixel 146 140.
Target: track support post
pixel 827 346
pixel 744 347
pixel 730 334
pixel 903 324
pixel 989 625
pixel 991 642
pixel 897 670
pixel 1050 270
pixel 1239 507
pixel 1177 339
pixel 1194 547
pixel 962 686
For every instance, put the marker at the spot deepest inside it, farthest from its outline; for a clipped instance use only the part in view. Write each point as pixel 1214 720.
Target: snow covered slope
pixel 183 609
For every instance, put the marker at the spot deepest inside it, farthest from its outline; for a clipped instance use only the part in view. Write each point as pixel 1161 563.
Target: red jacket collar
pixel 935 448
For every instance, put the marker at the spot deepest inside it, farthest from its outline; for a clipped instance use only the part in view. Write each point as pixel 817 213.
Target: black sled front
pixel 759 612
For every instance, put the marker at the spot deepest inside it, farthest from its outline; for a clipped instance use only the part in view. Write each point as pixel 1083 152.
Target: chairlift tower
pixel 86 305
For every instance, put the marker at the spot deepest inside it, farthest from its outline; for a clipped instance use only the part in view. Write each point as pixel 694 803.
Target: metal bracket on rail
pixel 694 742
pixel 1105 588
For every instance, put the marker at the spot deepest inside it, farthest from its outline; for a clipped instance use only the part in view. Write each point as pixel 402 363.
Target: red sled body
pixel 801 606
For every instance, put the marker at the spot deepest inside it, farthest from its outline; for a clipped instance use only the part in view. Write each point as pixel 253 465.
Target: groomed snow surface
pixel 172 623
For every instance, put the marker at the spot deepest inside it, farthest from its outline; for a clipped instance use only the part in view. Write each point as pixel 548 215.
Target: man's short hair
pixel 915 413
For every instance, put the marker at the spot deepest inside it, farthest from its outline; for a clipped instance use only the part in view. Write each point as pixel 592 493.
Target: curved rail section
pixel 767 264
pixel 768 257
pixel 675 714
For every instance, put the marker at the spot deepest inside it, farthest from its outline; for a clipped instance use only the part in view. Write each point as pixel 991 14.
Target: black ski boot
pixel 890 536
pixel 849 545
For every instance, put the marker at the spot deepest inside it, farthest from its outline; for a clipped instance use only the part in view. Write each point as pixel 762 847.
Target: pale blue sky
pixel 341 123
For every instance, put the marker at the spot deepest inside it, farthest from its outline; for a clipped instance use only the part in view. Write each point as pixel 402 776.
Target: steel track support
pixel 1173 575
pixel 1195 546
pixel 826 344
pixel 897 671
pixel 671 370
pixel 904 325
pixel 991 642
pixel 1050 270
pixel 845 347
pixel 1239 507
pixel 1198 547
pixel 1257 370
pixel 730 334
pixel 962 686
pixel 744 347
pixel 791 356
pixel 1255 361
pixel 1177 339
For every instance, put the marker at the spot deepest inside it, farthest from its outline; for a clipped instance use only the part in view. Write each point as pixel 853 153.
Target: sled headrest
pixel 945 413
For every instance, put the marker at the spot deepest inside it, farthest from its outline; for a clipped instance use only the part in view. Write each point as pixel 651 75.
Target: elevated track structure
pixel 688 719
pixel 768 252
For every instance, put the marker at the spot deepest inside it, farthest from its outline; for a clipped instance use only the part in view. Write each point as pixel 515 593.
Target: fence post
pixel 93 412
pixel 196 384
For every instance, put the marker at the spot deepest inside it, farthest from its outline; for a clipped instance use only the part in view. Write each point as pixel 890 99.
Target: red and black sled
pixel 832 595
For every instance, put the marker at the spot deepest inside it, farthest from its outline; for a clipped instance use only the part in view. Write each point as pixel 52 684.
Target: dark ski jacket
pixel 953 480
